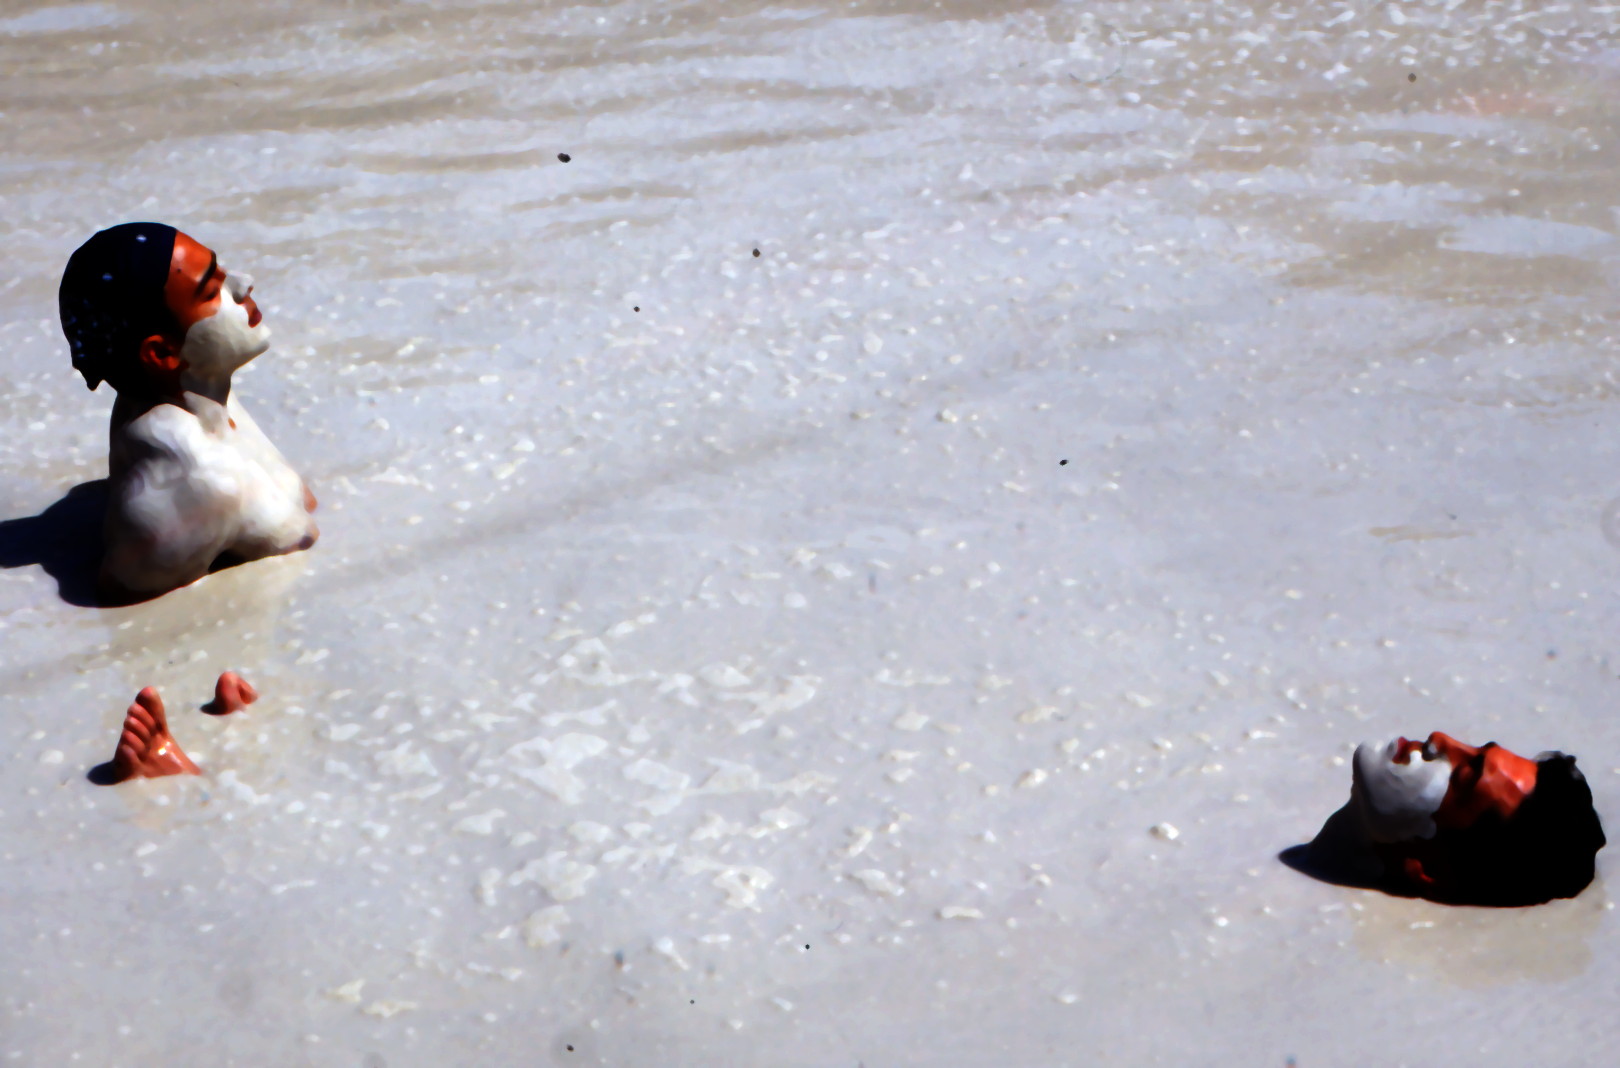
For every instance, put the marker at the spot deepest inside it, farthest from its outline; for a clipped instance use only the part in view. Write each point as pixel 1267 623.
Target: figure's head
pixel 1409 789
pixel 144 305
pixel 1476 823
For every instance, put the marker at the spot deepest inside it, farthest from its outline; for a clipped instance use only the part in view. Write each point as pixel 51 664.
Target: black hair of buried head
pixel 111 299
pixel 1559 816
pixel 1547 849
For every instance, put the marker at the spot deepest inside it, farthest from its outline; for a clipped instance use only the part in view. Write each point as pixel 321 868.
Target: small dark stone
pixel 1411 77
pixel 756 254
pixel 636 308
pixel 565 157
pixel 1063 463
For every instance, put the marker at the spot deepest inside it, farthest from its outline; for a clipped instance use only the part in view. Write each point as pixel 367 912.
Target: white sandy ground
pixel 746 680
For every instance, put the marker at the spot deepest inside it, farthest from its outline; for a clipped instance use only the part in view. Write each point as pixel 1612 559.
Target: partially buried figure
pixel 147 749
pixel 1461 824
pixel 232 693
pixel 192 480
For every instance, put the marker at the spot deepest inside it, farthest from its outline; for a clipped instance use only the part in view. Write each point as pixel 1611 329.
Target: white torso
pixel 190 483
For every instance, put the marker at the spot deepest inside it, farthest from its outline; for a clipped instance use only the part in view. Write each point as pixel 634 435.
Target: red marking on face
pixel 1484 779
pixel 195 282
pixel 192 292
pixel 1404 748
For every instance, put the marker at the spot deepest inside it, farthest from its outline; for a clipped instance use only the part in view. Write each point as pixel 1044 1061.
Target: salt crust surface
pixel 945 615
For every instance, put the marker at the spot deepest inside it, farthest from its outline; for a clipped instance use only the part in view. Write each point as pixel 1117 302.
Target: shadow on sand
pixel 65 540
pixel 1337 855
pixel 1329 870
pixel 104 774
pixel 1544 852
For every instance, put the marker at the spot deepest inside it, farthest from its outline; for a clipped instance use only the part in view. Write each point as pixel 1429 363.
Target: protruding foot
pixel 232 693
pixel 146 749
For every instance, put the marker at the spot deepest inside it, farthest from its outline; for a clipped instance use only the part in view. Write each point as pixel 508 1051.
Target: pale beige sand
pixel 645 649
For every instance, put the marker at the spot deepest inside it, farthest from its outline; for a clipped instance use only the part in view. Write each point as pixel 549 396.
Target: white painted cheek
pixel 224 341
pixel 1398 801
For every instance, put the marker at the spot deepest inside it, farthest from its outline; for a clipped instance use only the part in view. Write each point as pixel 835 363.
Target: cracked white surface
pixel 945 615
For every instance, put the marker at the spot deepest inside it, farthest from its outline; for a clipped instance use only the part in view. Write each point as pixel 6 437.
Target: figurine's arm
pixel 172 509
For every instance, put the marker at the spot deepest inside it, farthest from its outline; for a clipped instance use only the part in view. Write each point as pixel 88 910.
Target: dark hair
pixel 1559 827
pixel 111 299
pixel 1547 849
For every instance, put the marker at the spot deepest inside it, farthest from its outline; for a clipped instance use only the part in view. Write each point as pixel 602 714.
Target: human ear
pixel 159 355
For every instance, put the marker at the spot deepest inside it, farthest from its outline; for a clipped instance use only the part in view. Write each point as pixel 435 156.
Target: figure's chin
pixel 261 345
pixel 223 342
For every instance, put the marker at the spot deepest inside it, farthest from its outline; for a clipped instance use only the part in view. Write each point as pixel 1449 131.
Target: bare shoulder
pixel 165 451
pixel 164 430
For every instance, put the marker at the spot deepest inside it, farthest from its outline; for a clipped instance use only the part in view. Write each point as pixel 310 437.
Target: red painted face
pixel 195 282
pixel 1483 779
pixel 193 293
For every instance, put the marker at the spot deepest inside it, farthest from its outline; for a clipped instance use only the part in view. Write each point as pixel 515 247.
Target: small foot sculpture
pixel 146 749
pixel 232 693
